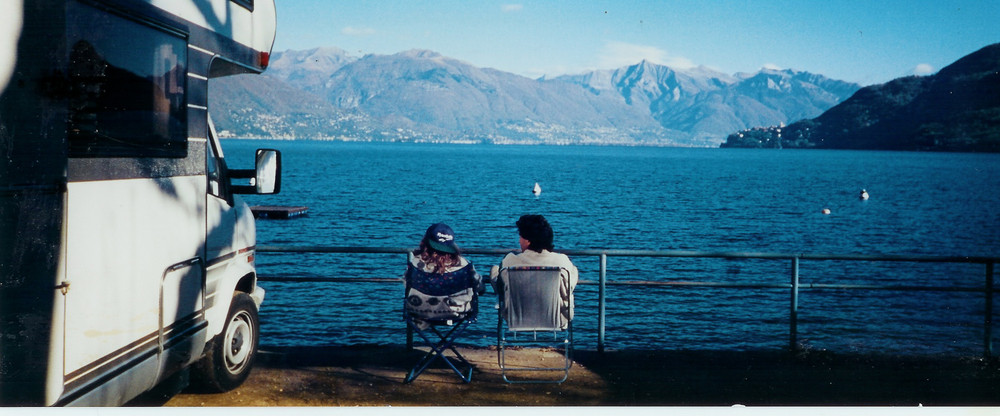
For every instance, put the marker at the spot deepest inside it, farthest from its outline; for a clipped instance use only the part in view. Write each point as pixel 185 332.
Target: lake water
pixel 386 194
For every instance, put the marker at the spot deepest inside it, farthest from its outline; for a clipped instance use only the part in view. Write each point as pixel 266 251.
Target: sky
pixel 866 42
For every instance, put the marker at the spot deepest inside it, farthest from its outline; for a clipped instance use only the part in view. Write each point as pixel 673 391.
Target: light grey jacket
pixel 543 258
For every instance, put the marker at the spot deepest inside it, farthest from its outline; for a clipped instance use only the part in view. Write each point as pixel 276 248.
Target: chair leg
pixel 437 351
pixel 567 345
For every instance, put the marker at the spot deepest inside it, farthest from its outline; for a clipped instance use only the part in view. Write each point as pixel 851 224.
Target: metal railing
pixel 794 286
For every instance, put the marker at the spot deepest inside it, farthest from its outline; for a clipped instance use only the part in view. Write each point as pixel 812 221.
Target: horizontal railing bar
pixel 896 288
pixel 330 249
pixel 650 253
pixel 782 256
pixel 789 286
pixel 293 279
pixel 691 284
pixel 581 282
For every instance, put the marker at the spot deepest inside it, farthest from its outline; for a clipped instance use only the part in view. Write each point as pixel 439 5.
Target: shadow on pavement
pixel 373 375
pixel 780 378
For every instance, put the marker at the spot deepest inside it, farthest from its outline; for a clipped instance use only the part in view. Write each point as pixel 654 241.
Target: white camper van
pixel 125 256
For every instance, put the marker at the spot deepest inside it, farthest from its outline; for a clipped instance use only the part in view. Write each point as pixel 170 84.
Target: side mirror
pixel 268 171
pixel 265 178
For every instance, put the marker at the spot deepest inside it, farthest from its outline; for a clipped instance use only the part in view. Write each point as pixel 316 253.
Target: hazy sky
pixel 859 41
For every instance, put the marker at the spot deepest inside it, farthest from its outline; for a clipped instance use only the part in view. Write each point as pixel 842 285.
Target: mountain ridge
pixel 421 95
pixel 957 109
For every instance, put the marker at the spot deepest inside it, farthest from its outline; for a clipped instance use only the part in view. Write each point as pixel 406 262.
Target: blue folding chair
pixel 531 302
pixel 439 308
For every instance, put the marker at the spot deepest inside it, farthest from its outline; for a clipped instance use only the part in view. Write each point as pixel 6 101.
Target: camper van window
pixel 127 87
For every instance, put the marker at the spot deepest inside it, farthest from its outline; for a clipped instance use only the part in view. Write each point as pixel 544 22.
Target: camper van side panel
pixel 32 182
pixel 135 228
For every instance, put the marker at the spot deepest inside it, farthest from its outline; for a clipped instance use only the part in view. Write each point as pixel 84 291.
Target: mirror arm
pixel 242 173
pixel 244 189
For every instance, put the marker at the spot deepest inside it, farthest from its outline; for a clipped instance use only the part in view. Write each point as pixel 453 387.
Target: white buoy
pixel 864 195
pixel 537 189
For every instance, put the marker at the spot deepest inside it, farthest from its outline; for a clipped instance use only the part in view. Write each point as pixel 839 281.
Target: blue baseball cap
pixel 441 238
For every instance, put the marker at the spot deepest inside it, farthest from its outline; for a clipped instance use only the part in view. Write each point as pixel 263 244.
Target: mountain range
pixel 420 95
pixel 956 109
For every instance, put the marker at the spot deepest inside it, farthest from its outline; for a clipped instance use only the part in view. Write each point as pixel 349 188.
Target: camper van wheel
pixel 231 353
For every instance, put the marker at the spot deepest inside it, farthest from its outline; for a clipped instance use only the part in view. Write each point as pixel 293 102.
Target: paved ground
pixel 373 376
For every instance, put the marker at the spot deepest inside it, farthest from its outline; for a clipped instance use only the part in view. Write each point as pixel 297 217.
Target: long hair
pixel 440 260
pixel 538 232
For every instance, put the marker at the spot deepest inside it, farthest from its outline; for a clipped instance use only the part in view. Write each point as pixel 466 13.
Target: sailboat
pixel 537 189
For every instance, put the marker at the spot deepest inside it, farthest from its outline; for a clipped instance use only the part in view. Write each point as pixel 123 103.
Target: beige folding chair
pixel 531 310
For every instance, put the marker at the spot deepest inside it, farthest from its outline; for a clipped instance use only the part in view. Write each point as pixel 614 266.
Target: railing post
pixel 794 315
pixel 603 278
pixel 409 331
pixel 988 320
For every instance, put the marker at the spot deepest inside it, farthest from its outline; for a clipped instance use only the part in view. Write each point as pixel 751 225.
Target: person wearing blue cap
pixel 440 282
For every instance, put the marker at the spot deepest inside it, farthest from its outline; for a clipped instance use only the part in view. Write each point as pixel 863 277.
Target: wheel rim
pixel 238 342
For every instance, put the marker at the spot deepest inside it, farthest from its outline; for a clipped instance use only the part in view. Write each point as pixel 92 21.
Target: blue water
pixel 386 194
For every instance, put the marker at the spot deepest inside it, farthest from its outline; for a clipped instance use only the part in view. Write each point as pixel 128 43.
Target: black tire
pixel 231 354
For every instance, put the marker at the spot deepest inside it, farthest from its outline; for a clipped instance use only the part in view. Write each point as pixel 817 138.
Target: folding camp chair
pixel 438 327
pixel 531 304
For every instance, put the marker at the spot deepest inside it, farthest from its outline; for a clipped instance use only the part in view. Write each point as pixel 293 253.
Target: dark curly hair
pixel 538 232
pixel 439 259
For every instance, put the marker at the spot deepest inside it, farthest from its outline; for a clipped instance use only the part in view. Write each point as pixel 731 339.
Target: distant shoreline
pixel 608 144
